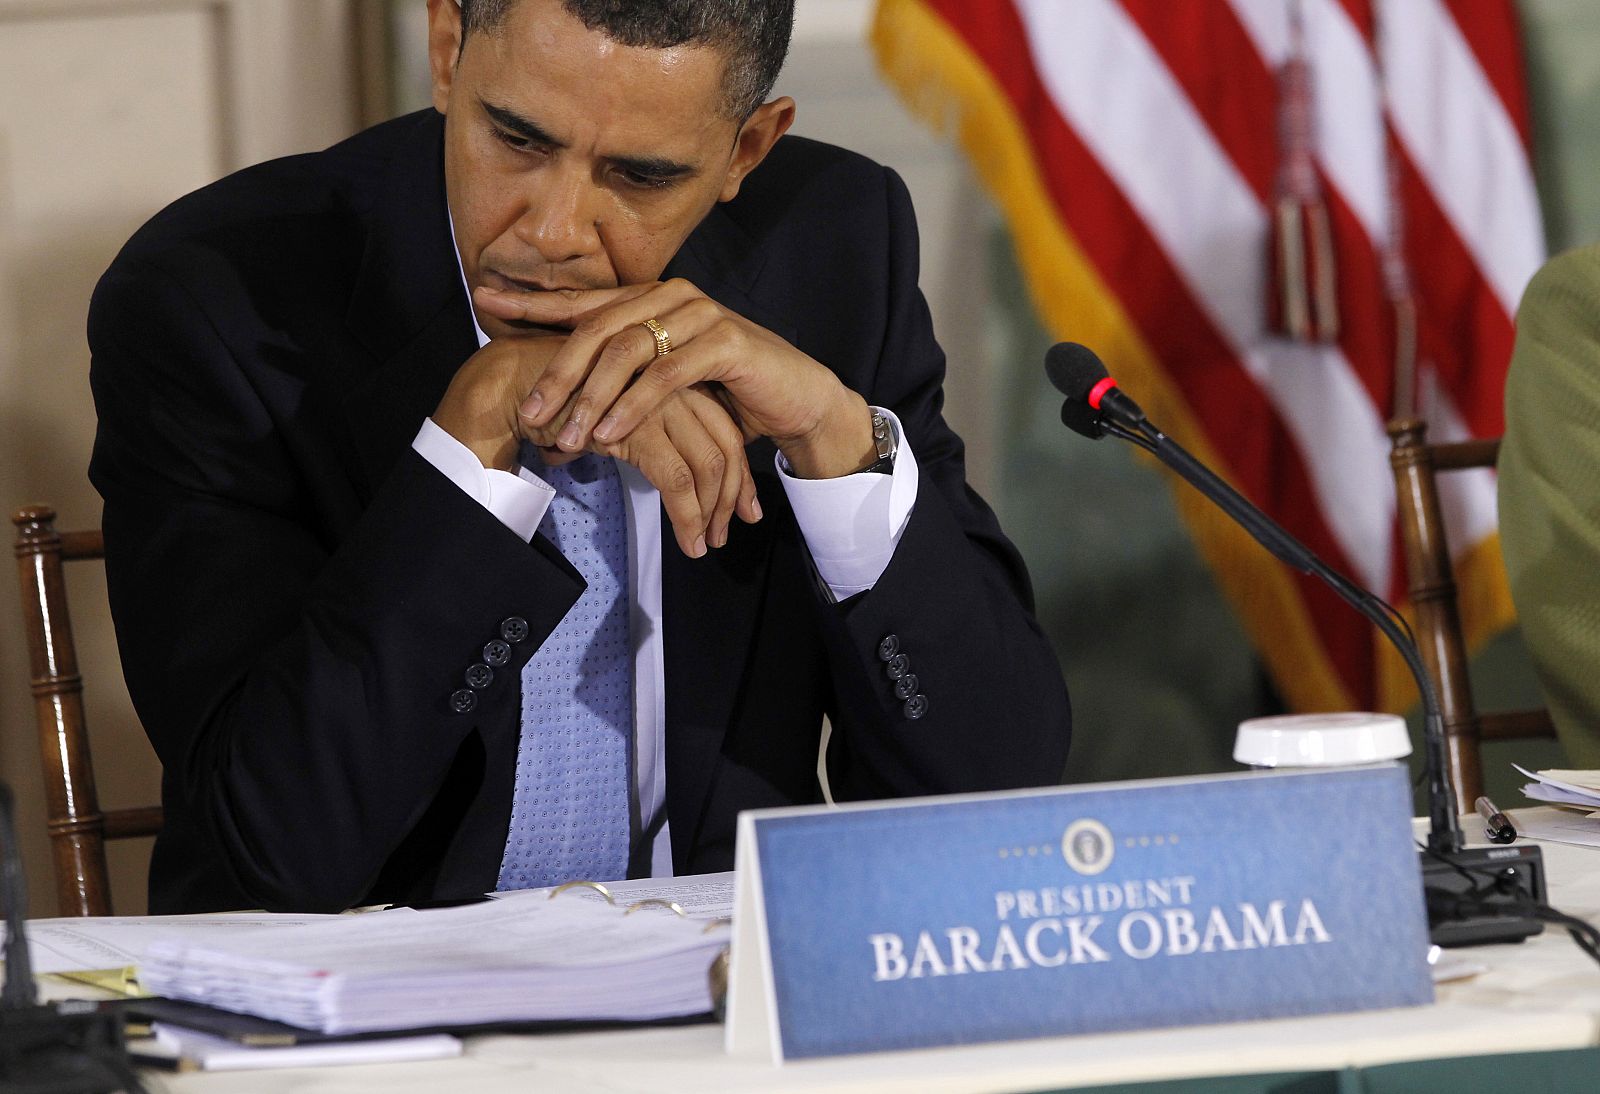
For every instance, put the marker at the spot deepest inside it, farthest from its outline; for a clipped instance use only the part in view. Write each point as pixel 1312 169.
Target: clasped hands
pixel 586 376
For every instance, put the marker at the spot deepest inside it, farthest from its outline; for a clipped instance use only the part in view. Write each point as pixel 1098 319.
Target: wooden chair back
pixel 1430 581
pixel 78 826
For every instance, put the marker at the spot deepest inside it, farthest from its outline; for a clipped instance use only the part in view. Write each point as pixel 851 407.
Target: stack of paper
pixel 503 961
pixel 1570 788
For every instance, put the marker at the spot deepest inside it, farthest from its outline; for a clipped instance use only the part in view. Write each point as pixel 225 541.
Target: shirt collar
pixel 461 272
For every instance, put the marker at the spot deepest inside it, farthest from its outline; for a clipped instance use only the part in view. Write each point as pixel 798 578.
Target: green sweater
pixel 1550 492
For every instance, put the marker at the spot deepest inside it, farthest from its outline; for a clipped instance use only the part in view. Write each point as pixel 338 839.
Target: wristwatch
pixel 884 440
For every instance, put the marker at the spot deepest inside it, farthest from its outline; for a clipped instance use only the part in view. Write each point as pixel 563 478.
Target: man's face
pixel 574 162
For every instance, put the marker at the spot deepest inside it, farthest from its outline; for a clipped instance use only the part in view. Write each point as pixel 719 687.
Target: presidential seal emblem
pixel 1087 846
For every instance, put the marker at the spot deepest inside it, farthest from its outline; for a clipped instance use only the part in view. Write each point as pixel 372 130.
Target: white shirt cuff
pixel 853 523
pixel 518 501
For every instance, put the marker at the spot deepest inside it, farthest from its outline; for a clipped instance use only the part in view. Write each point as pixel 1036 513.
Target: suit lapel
pixel 386 408
pixel 724 262
pixel 408 307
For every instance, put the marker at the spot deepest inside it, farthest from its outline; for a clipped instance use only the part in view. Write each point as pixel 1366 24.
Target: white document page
pixel 85 943
pixel 1589 780
pixel 1549 788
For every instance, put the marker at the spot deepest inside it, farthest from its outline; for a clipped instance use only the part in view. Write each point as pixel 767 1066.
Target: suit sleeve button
pixel 888 647
pixel 906 686
pixel 463 700
pixel 514 629
pixel 916 707
pixel 479 676
pixel 496 653
pixel 897 666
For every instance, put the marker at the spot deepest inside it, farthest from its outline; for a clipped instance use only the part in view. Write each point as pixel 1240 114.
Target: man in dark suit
pixel 339 392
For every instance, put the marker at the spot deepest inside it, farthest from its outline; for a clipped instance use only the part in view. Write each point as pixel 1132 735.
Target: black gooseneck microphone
pixel 1097 403
pixel 1096 406
pixel 1474 896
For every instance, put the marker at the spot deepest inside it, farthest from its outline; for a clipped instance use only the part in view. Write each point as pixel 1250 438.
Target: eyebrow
pixel 655 167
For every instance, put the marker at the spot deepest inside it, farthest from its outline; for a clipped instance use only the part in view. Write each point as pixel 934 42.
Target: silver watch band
pixel 883 439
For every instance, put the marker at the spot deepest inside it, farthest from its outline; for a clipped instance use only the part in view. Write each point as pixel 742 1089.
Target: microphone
pixel 1081 418
pixel 1096 406
pixel 1077 372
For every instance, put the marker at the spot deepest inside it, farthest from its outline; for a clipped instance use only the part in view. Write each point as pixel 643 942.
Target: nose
pixel 560 220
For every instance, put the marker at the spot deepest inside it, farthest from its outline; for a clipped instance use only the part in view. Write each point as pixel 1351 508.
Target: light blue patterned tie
pixel 569 817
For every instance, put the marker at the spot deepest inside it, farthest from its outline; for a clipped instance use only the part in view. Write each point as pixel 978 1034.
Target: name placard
pixel 975 918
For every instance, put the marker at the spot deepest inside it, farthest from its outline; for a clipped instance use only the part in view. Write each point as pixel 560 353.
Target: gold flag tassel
pixel 1304 302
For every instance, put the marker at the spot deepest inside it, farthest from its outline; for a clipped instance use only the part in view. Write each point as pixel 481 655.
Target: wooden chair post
pixel 1432 587
pixel 77 826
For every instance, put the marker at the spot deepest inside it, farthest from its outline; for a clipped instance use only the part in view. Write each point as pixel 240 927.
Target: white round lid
pixel 1321 740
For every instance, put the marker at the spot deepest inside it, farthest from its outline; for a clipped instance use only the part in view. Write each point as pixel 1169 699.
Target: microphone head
pixel 1080 417
pixel 1073 369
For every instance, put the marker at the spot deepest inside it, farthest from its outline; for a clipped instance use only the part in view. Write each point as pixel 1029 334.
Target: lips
pixel 494 279
pixel 530 286
pixel 505 283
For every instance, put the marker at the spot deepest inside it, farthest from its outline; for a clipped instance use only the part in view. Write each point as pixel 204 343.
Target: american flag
pixel 1281 223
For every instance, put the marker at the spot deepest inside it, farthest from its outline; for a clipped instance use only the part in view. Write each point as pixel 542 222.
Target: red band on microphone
pixel 1097 392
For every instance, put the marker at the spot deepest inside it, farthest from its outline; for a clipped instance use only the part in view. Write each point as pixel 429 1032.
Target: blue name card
pixel 973 918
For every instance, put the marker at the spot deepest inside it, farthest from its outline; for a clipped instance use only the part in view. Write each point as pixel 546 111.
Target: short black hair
pixel 753 35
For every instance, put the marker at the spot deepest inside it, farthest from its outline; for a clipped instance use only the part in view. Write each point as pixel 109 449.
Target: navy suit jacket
pixel 297 593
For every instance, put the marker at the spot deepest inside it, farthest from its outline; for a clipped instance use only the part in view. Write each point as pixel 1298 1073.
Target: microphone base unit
pixel 71 1047
pixel 1483 895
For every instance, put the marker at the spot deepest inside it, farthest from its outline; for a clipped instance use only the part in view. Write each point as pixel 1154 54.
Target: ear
pixel 756 137
pixel 444 49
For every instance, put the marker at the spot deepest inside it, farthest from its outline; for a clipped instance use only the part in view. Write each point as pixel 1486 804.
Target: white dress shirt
pixel 851 526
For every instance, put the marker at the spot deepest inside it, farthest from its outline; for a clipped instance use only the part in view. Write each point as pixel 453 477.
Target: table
pixel 1537 996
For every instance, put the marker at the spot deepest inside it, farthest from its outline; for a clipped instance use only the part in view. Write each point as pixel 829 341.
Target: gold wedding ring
pixel 663 339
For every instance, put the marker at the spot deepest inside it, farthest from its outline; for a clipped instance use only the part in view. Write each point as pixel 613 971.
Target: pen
pixel 161 1063
pixel 1501 830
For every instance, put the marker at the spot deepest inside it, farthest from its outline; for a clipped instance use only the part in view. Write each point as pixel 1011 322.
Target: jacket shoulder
pixel 298 210
pixel 803 179
pixel 1572 277
pixel 818 209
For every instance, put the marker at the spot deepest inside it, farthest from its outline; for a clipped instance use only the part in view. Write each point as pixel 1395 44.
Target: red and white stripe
pixel 1153 122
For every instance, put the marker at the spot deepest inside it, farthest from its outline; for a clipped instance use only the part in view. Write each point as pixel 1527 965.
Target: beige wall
pixel 109 109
